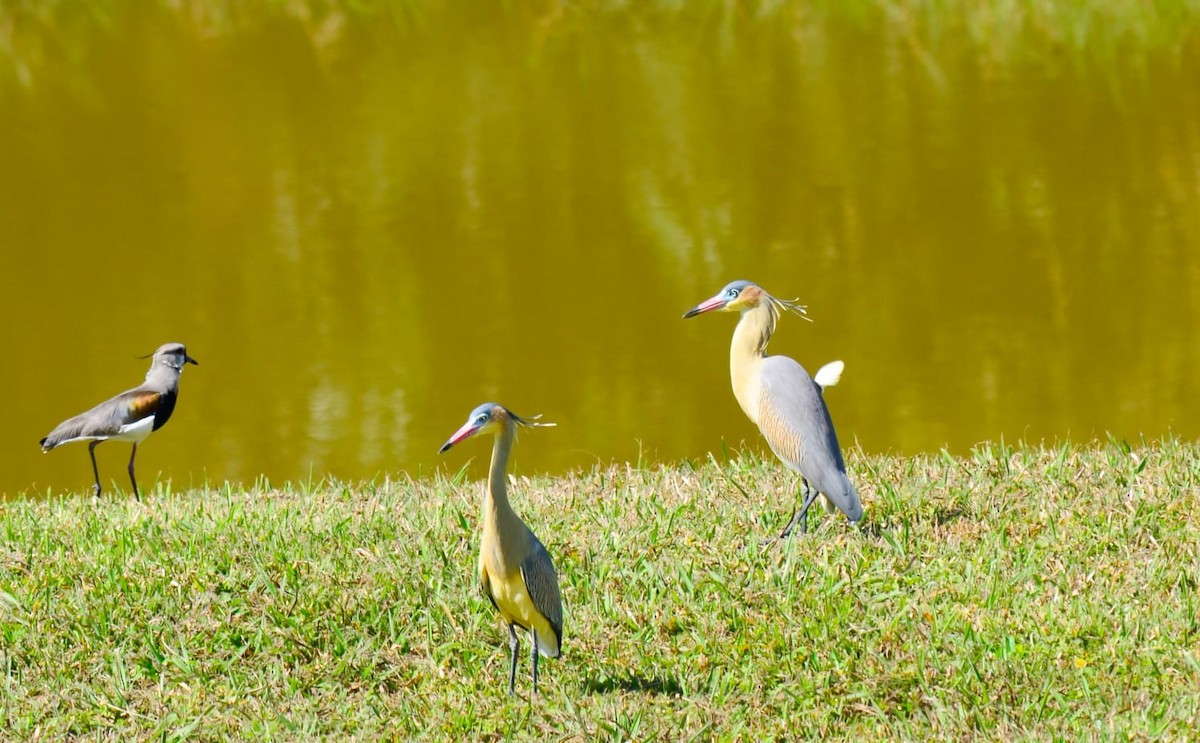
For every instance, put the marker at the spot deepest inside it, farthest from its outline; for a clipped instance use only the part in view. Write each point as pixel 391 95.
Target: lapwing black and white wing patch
pixel 134 413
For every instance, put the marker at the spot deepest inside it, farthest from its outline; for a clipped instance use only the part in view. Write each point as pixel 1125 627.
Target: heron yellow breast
pixel 747 386
pixel 516 605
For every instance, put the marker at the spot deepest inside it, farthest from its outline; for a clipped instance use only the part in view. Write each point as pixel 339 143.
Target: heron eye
pixel 482 418
pixel 731 293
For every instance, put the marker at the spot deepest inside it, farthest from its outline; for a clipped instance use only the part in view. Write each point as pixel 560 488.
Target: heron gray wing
pixel 541 580
pixel 795 421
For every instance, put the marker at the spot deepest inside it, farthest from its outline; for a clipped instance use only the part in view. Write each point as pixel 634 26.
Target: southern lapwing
pixel 130 416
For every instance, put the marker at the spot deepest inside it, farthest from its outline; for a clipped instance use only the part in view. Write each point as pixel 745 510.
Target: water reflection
pixel 361 239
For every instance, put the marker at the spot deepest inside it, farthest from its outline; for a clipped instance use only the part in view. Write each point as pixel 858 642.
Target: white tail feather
pixel 830 374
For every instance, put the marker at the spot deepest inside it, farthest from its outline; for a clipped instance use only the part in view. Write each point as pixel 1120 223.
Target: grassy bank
pixel 1033 592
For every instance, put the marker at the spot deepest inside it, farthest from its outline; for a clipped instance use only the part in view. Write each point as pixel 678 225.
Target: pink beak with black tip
pixel 468 429
pixel 716 303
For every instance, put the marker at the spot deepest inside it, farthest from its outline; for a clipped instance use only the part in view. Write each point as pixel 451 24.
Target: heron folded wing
pixel 541 581
pixel 795 421
pixel 793 416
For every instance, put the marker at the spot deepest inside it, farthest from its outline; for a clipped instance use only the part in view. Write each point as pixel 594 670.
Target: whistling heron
pixel 515 570
pixel 777 394
pixel 130 416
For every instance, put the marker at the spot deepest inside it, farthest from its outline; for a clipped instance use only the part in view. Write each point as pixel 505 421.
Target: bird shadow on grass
pixel 630 682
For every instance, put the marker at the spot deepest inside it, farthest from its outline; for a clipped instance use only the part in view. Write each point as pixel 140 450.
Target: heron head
pixel 489 417
pixel 735 297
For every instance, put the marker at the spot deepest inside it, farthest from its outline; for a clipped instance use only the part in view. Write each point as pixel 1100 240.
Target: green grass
pixel 1027 593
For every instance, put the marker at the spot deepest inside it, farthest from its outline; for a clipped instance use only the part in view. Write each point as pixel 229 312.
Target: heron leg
pixel 534 655
pixel 133 479
pixel 810 494
pixel 514 645
pixel 95 469
pixel 774 537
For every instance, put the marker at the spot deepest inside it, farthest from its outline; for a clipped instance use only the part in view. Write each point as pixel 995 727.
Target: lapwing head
pixel 173 355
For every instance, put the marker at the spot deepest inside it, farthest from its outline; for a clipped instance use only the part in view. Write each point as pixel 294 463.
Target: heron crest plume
pixel 533 421
pixel 789 305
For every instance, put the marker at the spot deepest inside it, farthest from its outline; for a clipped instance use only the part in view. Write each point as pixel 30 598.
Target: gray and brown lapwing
pixel 130 416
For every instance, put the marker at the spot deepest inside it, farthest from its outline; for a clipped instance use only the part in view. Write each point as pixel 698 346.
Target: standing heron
pixel 130 416
pixel 777 394
pixel 515 570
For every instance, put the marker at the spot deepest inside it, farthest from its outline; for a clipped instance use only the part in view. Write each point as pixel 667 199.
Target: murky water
pixel 362 235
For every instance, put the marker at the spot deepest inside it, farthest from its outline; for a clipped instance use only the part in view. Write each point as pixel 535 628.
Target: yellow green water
pixel 361 234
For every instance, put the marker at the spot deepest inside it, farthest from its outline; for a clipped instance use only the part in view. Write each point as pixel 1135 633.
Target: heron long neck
pixel 495 507
pixel 746 353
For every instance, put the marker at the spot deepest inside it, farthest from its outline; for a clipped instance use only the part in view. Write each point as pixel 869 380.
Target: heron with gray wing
pixel 130 416
pixel 786 404
pixel 515 570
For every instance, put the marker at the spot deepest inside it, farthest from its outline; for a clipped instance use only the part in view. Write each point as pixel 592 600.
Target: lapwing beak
pixel 189 360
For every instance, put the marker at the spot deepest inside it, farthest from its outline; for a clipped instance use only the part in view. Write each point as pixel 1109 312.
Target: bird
pixel 515 570
pixel 130 416
pixel 786 404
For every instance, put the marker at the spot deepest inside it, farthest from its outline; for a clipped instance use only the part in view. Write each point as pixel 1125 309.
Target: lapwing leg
pixel 95 469
pixel 133 479
pixel 534 656
pixel 801 515
pixel 515 646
